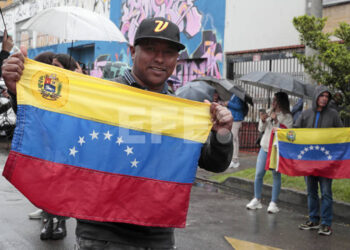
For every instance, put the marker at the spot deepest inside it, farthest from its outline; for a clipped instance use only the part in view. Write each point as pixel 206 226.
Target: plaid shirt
pixel 132 82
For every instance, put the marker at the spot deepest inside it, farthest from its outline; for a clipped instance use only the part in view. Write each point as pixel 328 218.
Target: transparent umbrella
pixel 74 23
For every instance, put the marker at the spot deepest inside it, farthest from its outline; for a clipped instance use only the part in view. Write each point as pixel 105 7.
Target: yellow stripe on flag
pixel 54 89
pixel 273 156
pixel 314 135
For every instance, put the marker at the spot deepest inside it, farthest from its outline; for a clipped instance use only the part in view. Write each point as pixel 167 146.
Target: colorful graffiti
pixel 204 60
pixel 99 65
pixel 182 12
pixel 104 68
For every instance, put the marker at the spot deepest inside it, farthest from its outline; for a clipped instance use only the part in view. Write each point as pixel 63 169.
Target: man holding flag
pixel 154 52
pixel 319 116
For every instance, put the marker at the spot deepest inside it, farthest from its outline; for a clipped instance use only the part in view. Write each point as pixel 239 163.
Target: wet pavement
pixel 215 214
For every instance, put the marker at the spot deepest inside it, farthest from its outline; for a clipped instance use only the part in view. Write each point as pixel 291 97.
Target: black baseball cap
pixel 159 28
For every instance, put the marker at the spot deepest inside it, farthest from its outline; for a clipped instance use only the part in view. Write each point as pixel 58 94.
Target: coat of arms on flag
pixel 311 151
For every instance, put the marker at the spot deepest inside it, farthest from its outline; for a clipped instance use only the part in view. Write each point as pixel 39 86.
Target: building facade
pixel 201 23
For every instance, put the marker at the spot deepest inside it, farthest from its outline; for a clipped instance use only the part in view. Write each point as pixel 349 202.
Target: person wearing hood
pixel 319 116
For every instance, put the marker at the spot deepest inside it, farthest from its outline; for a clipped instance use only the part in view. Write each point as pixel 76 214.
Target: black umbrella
pixel 278 82
pixel 196 91
pixel 226 88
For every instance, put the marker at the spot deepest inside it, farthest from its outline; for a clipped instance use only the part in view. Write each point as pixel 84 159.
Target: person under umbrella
pixel 278 116
pixel 236 106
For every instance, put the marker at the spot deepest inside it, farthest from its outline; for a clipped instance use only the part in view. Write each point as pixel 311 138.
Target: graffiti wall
pixel 201 24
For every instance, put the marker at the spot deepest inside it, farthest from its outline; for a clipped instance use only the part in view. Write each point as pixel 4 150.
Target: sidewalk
pixel 288 198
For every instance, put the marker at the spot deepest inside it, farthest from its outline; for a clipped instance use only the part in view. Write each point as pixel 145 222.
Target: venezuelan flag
pixel 319 152
pixel 99 150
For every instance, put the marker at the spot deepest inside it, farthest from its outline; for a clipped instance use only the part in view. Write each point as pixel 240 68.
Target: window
pixel 23 37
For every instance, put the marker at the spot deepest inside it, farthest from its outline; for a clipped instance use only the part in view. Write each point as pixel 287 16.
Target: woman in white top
pixel 279 114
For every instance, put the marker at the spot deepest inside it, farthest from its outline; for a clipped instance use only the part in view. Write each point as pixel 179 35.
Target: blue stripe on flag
pixel 318 152
pixel 69 140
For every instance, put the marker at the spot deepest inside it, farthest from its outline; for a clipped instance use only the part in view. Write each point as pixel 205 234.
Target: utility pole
pixel 313 8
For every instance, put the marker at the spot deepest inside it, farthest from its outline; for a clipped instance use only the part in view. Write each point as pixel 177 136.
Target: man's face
pixel 322 100
pixel 154 61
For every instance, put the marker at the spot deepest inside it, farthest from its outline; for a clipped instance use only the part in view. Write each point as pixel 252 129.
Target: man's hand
pixel 7 42
pixel 12 69
pixel 221 117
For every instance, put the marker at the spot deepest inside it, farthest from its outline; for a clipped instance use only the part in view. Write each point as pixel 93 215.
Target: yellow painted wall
pixel 336 14
pixel 4 4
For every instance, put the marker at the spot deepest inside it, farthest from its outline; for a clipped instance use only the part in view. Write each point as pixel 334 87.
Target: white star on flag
pixel 94 135
pixel 317 147
pixel 323 149
pixel 299 156
pixel 327 152
pixel 128 150
pixel 81 141
pixel 107 135
pixel 119 140
pixel 311 147
pixel 134 163
pixel 72 151
pixel 329 157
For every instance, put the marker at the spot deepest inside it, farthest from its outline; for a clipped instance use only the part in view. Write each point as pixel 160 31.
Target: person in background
pixel 6 47
pixel 274 118
pixel 154 53
pixel 65 61
pixel 319 116
pixel 297 109
pixel 235 105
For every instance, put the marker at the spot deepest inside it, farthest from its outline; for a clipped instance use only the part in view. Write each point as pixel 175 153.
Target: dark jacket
pixel 215 157
pixel 329 118
pixel 3 55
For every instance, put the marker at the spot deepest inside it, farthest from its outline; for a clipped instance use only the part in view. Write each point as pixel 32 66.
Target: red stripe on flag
pixel 93 195
pixel 268 160
pixel 272 136
pixel 329 169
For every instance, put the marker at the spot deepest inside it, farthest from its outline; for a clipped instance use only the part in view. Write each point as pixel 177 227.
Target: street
pixel 216 220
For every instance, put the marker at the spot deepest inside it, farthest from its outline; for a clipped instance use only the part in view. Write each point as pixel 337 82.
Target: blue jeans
pixel 89 244
pixel 259 176
pixel 314 202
